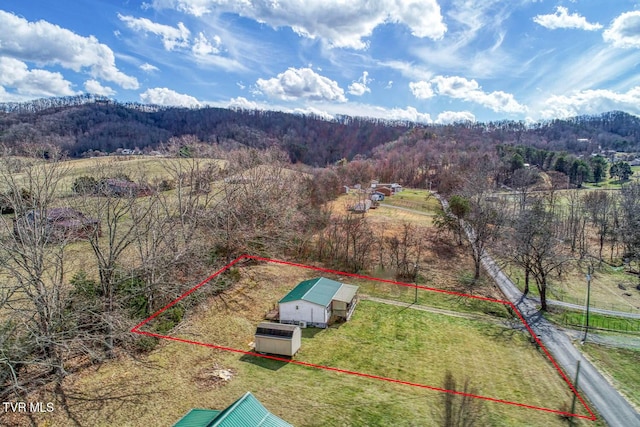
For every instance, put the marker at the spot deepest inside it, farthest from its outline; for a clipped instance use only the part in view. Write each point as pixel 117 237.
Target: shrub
pixel 85 185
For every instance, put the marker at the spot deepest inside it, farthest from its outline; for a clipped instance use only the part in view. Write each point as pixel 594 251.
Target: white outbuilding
pixel 318 302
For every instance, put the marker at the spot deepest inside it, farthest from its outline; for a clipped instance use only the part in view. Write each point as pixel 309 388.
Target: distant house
pixel 59 224
pixel 123 188
pixel 386 191
pixel 278 338
pixel 394 187
pixel 318 302
pixel 361 206
pixel 377 196
pixel 244 412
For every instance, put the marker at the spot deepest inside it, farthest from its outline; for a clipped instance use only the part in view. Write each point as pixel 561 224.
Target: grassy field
pixel 416 199
pixel 619 364
pixel 380 339
pixel 145 168
pixel 611 287
pixel 612 183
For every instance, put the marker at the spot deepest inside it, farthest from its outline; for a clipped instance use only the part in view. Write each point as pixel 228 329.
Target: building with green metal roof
pixel 244 412
pixel 318 302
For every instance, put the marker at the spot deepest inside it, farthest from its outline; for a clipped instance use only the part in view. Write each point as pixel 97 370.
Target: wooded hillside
pixel 82 123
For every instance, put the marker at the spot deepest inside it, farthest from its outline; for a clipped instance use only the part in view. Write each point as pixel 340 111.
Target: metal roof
pixel 321 291
pixel 244 412
pixel 346 293
pixel 197 418
pixel 318 291
pixel 279 326
pixel 247 412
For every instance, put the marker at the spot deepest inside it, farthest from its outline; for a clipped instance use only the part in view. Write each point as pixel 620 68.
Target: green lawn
pixel 619 364
pixel 611 287
pixel 416 199
pixel 576 319
pixel 380 339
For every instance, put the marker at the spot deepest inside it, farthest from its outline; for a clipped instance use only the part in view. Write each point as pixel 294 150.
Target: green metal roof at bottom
pixel 244 412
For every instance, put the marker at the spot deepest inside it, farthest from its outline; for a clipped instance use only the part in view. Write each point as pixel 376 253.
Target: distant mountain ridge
pixel 89 122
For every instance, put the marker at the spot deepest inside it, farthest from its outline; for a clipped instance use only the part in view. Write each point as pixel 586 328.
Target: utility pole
pixel 575 394
pixel 586 327
pixel 415 276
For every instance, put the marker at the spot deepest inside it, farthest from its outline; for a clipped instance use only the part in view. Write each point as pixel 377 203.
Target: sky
pixel 429 61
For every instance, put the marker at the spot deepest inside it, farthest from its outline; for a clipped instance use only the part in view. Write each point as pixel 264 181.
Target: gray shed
pixel 278 338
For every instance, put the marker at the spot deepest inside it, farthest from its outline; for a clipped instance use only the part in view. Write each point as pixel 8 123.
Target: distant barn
pixel 124 188
pixel 56 224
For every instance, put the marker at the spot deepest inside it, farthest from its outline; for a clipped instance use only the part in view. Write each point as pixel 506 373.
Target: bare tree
pixel 37 332
pixel 537 247
pixel 121 216
pixel 482 225
pixel 405 251
pixel 599 205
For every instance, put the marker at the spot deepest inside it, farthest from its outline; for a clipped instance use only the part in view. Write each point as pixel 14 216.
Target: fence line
pixel 595 304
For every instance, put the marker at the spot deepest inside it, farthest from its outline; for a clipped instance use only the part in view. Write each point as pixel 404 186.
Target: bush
pixel 146 343
pixel 166 185
pixel 85 185
pixel 169 319
pixel 85 287
pixel 134 299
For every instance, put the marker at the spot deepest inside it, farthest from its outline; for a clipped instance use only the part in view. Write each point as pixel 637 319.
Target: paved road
pixel 613 408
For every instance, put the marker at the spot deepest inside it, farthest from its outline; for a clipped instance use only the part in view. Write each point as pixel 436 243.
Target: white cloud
pixel 562 19
pixel 421 89
pixel 359 87
pixel 296 83
pixel 148 68
pixel 312 111
pixel 203 47
pixel 243 103
pixel 16 75
pixel 591 102
pixel 469 90
pixel 172 37
pixel 624 31
pixel 44 43
pixel 339 23
pixel 408 69
pixel 447 117
pixel 408 114
pixel 94 86
pixel 164 96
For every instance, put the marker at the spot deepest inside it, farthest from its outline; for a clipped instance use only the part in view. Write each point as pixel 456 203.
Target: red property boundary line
pixel 136 330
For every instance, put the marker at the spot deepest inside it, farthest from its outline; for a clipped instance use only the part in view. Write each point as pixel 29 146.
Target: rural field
pixel 381 339
pixel 395 333
pixel 620 366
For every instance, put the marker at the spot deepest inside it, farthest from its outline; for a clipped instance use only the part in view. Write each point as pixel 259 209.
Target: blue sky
pixel 422 60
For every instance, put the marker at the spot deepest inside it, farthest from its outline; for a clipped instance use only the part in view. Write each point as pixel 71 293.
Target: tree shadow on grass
pixel 266 362
pixel 108 399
